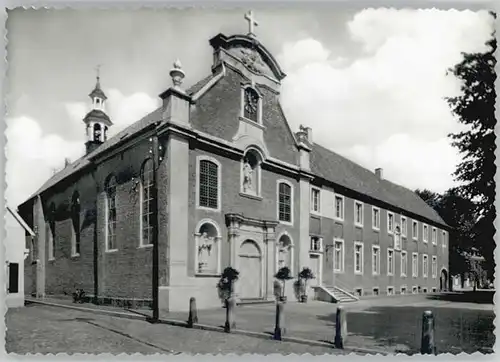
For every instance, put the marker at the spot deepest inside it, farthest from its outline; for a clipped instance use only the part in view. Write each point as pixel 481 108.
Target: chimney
pixel 304 139
pixel 379 172
pixel 67 162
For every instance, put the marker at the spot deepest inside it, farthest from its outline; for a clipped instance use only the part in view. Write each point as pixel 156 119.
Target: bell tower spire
pixel 97 121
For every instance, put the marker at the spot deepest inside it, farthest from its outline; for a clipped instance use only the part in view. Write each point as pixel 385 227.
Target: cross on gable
pixel 251 22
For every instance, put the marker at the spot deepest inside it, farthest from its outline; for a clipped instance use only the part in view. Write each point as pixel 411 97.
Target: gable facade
pixel 236 187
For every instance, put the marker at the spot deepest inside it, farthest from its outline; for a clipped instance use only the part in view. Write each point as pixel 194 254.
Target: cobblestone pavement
pixel 42 329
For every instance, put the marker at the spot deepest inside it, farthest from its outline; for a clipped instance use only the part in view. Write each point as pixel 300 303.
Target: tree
pixel 475 108
pixel 431 198
pixel 283 275
pixel 460 214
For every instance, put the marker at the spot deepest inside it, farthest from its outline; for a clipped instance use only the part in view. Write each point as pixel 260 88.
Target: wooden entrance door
pixel 250 264
pixel 316 269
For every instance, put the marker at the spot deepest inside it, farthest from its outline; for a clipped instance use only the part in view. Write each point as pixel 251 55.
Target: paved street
pixel 41 329
pixel 389 323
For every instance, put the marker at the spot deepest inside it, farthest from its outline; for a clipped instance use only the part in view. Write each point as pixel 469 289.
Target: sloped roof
pixel 324 163
pixel 346 173
pixel 121 136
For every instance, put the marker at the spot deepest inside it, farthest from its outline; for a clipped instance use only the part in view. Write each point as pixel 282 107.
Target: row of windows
pixel 339 254
pixel 391 290
pixel 392 227
pixel 146 208
pixel 209 185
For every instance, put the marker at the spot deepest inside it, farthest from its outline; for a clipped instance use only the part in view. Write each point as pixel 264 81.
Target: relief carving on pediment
pixel 252 60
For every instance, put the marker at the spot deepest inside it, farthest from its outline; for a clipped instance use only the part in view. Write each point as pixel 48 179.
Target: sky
pixel 369 82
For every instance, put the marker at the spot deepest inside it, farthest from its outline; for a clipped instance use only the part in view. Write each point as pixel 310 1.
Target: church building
pixel 233 185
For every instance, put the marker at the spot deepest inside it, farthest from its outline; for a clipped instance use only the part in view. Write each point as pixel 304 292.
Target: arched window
pixel 285 197
pixel 285 252
pixel 97 132
pixel 251 172
pixel 208 184
pixel 75 218
pixel 111 213
pixel 251 104
pixel 50 231
pixel 147 203
pixel 207 253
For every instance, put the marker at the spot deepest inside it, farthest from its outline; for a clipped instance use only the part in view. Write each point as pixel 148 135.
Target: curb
pixel 206 327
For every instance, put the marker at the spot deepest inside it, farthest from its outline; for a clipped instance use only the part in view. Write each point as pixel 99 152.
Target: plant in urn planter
pixel 283 275
pixel 305 275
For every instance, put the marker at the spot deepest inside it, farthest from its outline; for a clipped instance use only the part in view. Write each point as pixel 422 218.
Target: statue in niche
pixel 247 176
pixel 283 255
pixel 205 253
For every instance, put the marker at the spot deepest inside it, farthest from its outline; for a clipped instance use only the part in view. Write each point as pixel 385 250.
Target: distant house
pixel 16 253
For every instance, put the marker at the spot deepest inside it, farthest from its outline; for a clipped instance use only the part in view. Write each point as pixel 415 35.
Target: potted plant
pixel 225 286
pixel 305 275
pixel 283 275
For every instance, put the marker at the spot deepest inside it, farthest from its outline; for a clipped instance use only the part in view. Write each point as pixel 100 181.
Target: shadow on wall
pixel 480 297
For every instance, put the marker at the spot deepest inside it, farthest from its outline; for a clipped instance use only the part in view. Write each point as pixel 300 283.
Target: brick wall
pixel 123 273
pixel 349 233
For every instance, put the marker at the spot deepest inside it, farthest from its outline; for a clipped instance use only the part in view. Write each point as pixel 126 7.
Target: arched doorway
pixel 443 280
pixel 250 265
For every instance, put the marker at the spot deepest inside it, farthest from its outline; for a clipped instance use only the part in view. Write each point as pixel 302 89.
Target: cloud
pixel 393 91
pixel 29 148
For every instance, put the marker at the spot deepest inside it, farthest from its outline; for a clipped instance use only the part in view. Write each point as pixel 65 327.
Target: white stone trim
pixel 443 241
pixel 434 236
pixel 390 230
pixel 356 223
pixel 375 227
pixel 414 264
pixel 278 182
pixel 218 240
pixel 434 269
pixel 404 231
pixel 405 254
pixel 315 212
pixel 341 241
pixel 244 87
pixel 336 217
pixel 390 287
pixel 376 247
pixel 425 235
pixel 292 254
pixel 425 271
pixel 219 183
pixel 414 235
pixel 362 258
pixel 259 171
pixel 401 289
pixel 393 264
pixel 209 84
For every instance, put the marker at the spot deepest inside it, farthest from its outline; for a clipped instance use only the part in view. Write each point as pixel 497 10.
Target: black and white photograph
pixel 304 179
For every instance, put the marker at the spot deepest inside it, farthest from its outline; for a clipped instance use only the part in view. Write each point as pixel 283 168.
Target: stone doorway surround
pixel 243 229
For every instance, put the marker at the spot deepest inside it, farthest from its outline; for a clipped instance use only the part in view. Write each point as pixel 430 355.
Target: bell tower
pixel 97 121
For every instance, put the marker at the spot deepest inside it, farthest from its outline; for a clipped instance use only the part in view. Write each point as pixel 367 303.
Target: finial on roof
pixel 97 69
pixel 251 23
pixel 177 74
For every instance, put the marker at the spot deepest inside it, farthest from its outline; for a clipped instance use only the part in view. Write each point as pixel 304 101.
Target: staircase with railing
pixel 334 294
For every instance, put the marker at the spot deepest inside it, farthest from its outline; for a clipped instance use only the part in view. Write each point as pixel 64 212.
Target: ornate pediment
pixel 249 52
pixel 252 60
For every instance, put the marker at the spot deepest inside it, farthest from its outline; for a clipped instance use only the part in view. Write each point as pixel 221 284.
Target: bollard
pixel 340 328
pixel 279 329
pixel 427 346
pixel 230 320
pixel 193 313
